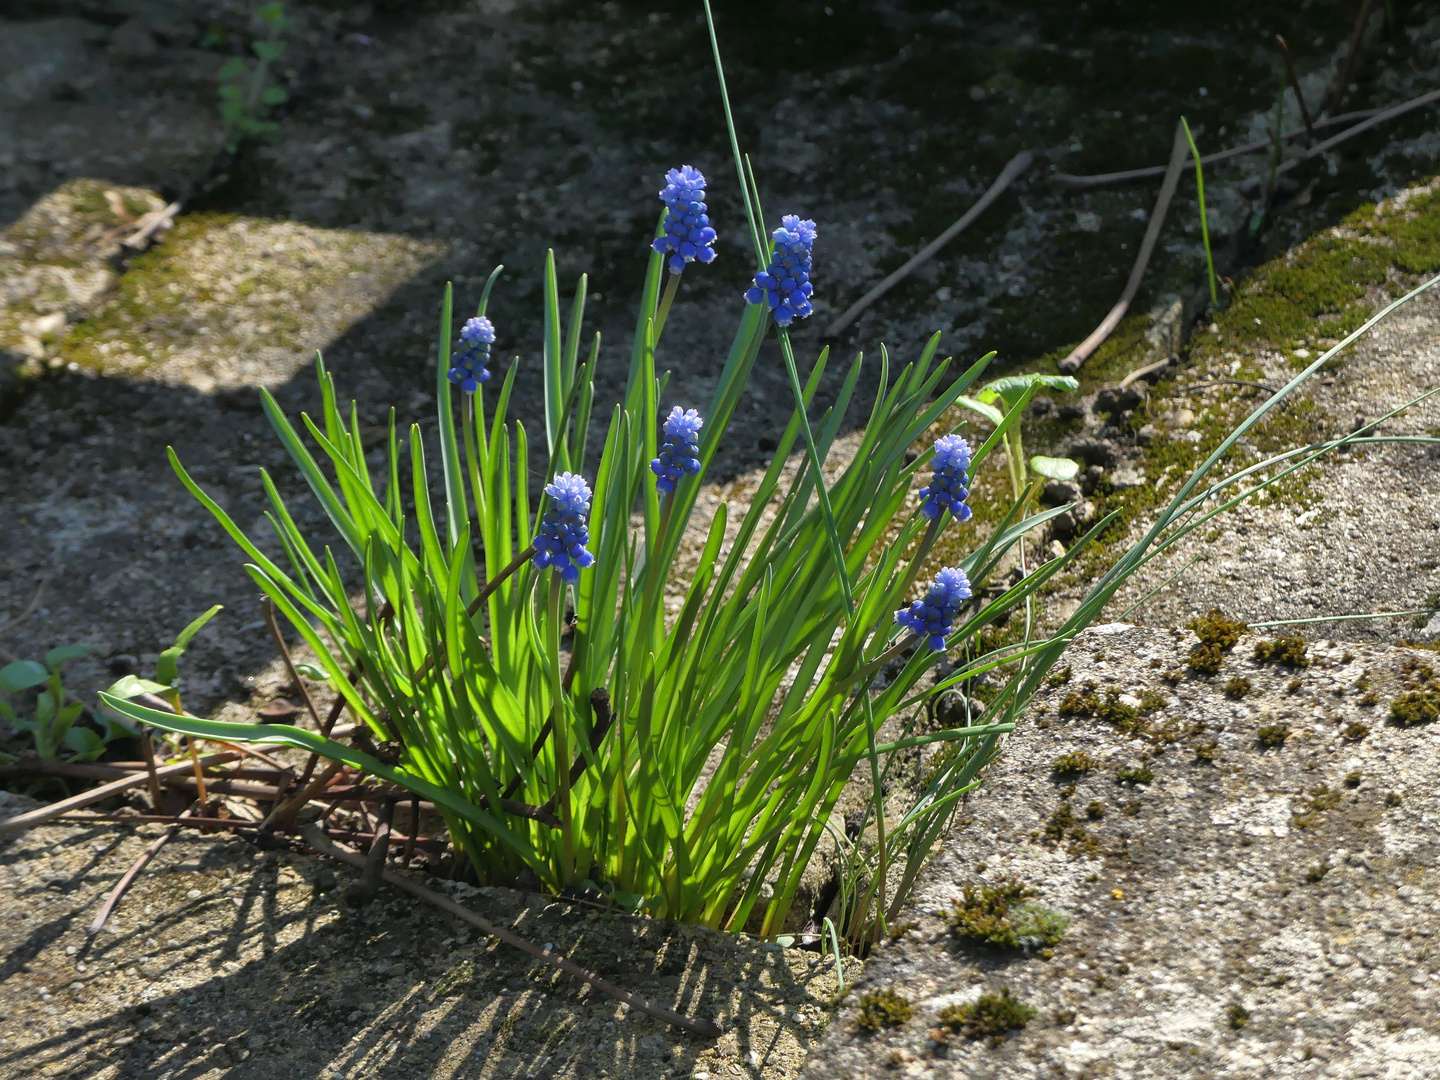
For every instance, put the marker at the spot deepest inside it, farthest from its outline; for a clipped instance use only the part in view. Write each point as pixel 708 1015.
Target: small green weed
pixel 881 1009
pixel 1237 687
pixel 52 724
pixel 1355 731
pixel 1058 677
pixel 247 94
pixel 1140 774
pixel 1237 1016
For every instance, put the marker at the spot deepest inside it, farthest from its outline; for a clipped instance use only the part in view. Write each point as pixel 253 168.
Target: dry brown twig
pixel 39 815
pixel 1013 168
pixel 98 923
pixel 1071 182
pixel 1082 352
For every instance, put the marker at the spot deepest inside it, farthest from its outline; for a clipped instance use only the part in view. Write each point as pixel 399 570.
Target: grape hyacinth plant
pixel 932 617
pixel 680 452
pixel 687 236
pixel 563 535
pixel 948 488
pixel 469 370
pixel 672 730
pixel 784 285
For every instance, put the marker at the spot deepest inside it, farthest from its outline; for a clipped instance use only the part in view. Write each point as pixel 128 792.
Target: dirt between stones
pixel 1238 910
pixel 224 960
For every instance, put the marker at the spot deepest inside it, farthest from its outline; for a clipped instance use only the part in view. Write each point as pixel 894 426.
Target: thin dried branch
pixel 362 890
pixel 1013 168
pixel 1154 172
pixel 21 822
pixel 130 875
pixel 1082 352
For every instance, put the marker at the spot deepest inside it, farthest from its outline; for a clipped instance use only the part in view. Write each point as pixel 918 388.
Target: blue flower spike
pixel 932 616
pixel 563 532
pixel 688 235
pixel 947 490
pixel 469 371
pixel 680 453
pixel 785 283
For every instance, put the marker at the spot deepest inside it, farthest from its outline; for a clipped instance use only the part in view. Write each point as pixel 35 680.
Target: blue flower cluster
pixel 563 532
pixel 680 453
pixel 932 616
pixel 688 235
pixel 469 371
pixel 947 490
pixel 785 283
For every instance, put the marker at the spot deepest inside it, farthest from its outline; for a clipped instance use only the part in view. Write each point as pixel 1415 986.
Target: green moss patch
pixel 1006 915
pixel 1288 651
pixel 990 1016
pixel 881 1009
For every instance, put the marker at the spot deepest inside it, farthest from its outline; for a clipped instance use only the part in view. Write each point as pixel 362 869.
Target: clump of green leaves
pixel 1289 651
pixel 1237 687
pixel 1415 707
pixel 1272 736
pixel 1006 915
pixel 52 722
pixel 247 90
pixel 1137 774
pixel 1237 1016
pixel 881 1009
pixel 989 1016
pixel 1073 763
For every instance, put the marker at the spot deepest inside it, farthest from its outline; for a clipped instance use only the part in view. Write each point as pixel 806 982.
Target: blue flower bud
pixel 947 490
pixel 468 369
pixel 785 283
pixel 931 617
pixel 680 453
pixel 688 235
pixel 563 533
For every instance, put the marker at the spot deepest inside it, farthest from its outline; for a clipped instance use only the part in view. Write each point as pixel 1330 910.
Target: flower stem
pixel 667 298
pixel 560 736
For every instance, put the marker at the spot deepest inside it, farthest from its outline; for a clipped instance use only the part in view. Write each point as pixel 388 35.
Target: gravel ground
pixel 225 960
pixel 1297 883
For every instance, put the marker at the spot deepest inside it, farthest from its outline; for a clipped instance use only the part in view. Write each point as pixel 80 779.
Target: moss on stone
pixel 1237 687
pixel 1272 736
pixel 1073 763
pixel 1288 651
pixel 989 1016
pixel 1139 774
pixel 1415 707
pixel 1215 628
pixel 881 1009
pixel 1006 915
